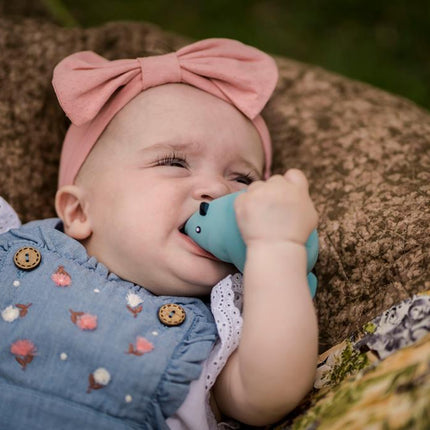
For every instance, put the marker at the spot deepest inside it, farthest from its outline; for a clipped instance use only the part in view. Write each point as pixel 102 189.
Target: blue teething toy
pixel 215 229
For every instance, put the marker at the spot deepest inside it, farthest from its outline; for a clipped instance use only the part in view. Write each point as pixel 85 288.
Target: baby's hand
pixel 277 210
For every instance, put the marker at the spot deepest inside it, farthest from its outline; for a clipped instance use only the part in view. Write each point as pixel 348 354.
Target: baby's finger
pixel 297 177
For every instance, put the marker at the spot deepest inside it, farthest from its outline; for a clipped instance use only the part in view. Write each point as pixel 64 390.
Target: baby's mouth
pixel 201 250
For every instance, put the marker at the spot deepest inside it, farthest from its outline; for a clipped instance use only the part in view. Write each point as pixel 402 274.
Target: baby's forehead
pixel 174 107
pixel 168 97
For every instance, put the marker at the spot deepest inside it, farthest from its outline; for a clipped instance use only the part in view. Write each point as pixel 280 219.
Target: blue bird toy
pixel 214 228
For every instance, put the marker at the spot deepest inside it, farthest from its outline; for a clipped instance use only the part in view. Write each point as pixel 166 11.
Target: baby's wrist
pixel 282 256
pixel 276 244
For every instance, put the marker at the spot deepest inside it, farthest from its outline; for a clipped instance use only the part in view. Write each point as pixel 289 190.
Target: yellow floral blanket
pixel 376 379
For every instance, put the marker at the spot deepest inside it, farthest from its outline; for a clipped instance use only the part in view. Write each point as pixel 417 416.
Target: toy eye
pixel 198 229
pixel 204 206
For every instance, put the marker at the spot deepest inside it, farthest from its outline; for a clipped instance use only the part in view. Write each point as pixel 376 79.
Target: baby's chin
pixel 195 284
pixel 209 279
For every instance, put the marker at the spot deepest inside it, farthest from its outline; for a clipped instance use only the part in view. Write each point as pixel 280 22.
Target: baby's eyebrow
pixel 190 147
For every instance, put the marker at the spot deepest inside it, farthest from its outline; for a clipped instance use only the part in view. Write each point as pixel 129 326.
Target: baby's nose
pixel 211 188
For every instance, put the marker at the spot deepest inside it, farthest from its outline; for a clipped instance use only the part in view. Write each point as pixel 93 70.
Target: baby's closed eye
pixel 247 178
pixel 173 159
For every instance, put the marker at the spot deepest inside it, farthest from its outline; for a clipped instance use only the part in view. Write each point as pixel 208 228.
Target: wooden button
pixel 27 258
pixel 171 314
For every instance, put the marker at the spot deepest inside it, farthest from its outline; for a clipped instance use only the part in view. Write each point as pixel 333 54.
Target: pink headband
pixel 91 89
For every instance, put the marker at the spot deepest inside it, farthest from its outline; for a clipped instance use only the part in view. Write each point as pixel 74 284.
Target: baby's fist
pixel 279 209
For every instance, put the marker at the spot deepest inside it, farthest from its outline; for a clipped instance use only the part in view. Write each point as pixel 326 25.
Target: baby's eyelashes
pixel 246 179
pixel 173 159
pixel 180 160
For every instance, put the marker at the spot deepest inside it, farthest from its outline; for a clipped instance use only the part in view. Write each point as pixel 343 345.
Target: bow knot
pixel 159 70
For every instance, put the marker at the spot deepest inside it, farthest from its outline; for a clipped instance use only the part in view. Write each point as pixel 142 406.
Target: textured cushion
pixel 366 154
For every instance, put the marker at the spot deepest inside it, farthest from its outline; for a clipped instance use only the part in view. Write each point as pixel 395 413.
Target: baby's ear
pixel 71 208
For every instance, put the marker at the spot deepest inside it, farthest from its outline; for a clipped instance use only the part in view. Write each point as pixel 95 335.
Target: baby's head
pixel 128 186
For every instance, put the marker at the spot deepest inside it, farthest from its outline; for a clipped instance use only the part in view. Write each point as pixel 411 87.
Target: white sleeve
pixel 226 305
pixel 8 217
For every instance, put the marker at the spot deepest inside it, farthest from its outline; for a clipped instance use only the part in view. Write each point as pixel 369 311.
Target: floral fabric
pixel 377 379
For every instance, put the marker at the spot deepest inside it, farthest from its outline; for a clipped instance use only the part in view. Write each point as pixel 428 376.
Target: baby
pixel 105 319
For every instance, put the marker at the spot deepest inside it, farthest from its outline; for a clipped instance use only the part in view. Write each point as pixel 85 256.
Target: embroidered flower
pixel 11 313
pixel 142 346
pixel 101 376
pixel 134 300
pixel 61 277
pixel 134 303
pixel 83 320
pixel 22 347
pixel 24 351
pixel 87 322
pixel 98 379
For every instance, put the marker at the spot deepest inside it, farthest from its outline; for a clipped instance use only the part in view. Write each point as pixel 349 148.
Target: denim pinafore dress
pixel 81 348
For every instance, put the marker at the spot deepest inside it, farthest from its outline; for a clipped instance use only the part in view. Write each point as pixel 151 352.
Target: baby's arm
pixel 274 365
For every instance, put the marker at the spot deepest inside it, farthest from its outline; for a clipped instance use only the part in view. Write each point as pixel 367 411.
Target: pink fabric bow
pixel 91 89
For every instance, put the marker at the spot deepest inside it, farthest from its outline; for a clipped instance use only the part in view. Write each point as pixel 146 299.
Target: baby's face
pixel 168 150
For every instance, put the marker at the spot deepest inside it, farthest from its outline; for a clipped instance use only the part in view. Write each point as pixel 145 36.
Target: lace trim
pixel 8 218
pixel 226 306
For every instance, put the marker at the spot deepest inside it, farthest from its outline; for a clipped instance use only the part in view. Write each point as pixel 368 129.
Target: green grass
pixel 383 42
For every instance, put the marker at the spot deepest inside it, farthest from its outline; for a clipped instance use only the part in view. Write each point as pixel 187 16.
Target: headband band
pixel 92 89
